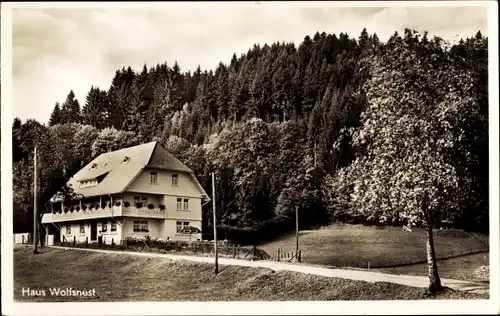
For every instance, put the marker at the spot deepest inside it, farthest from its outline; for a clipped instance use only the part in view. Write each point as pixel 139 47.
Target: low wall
pixel 23 238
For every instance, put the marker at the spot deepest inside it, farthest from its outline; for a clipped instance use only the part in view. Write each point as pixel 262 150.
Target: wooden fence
pixel 287 256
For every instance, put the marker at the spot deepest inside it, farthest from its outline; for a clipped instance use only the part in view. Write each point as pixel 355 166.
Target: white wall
pixel 108 236
pixel 74 232
pixel 171 229
pixel 18 238
pixel 155 227
pixel 193 212
pixel 158 228
pixel 185 185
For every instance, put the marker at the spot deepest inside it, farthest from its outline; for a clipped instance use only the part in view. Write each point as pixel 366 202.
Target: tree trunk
pixel 41 232
pixel 434 280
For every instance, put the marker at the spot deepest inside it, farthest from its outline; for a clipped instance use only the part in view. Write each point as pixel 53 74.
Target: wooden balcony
pixel 115 211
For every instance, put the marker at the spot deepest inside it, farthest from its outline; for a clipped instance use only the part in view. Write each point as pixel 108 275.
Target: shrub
pixel 151 206
pixel 138 204
pixel 72 209
pixel 257 233
pixel 126 204
pixel 118 203
pixel 162 207
pixel 103 205
pixel 84 207
pixel 77 208
pixel 109 204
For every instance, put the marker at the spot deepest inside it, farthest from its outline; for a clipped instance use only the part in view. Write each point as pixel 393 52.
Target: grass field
pixel 356 245
pixel 461 268
pixel 119 277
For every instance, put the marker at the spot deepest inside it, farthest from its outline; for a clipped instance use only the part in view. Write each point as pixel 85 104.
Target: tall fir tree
pixel 70 110
pixel 95 110
pixel 56 115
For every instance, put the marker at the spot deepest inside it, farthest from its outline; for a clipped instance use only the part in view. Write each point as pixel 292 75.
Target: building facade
pixel 133 192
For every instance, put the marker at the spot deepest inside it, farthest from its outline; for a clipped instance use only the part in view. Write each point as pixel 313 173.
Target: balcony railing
pixel 114 211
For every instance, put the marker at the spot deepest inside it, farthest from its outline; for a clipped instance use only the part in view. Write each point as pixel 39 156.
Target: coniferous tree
pixel 95 110
pixel 70 110
pixel 56 115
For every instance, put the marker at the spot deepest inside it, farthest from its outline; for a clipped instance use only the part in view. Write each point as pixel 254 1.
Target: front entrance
pixel 93 231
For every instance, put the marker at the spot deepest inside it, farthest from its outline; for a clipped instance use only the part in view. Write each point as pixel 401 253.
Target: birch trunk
pixel 434 280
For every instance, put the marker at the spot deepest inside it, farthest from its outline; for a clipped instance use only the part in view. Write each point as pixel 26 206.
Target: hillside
pixel 156 279
pixel 356 245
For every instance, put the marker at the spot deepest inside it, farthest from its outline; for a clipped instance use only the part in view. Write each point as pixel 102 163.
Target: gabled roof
pixel 121 167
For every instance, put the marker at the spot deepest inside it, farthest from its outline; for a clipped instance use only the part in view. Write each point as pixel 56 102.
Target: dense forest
pixel 343 129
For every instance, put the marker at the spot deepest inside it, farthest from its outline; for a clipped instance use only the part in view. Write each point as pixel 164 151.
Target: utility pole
pixel 296 233
pixel 35 206
pixel 215 225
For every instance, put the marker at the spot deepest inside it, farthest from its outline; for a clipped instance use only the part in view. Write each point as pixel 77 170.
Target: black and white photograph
pixel 249 158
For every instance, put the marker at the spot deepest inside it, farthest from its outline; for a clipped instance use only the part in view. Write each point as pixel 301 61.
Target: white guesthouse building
pixel 132 192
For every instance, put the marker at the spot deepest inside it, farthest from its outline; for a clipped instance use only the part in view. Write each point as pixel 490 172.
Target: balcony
pixel 114 211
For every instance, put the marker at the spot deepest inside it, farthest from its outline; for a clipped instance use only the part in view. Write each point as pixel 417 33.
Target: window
pixel 125 159
pixel 141 199
pixel 82 228
pixel 181 226
pixel 88 183
pixel 154 177
pixel 113 226
pixel 141 226
pixel 137 226
pixel 186 204
pixel 104 227
pixel 68 229
pixel 175 180
pixel 179 204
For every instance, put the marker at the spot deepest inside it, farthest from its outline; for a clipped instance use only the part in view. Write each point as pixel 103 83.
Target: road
pixel 360 275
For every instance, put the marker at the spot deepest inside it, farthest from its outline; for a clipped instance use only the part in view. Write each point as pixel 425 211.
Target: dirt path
pixel 360 275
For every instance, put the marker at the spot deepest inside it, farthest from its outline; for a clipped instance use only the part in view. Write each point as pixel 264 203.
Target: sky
pixel 58 50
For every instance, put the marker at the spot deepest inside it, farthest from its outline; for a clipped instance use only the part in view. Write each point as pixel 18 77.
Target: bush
pixel 257 233
pixel 77 208
pixel 72 209
pixel 118 203
pixel 151 206
pixel 126 204
pixel 103 205
pixel 138 205
pixel 162 207
pixel 109 204
pixel 84 207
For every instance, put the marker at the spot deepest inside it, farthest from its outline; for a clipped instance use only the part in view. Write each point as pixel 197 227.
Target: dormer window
pixel 88 183
pixel 125 160
pixel 93 166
